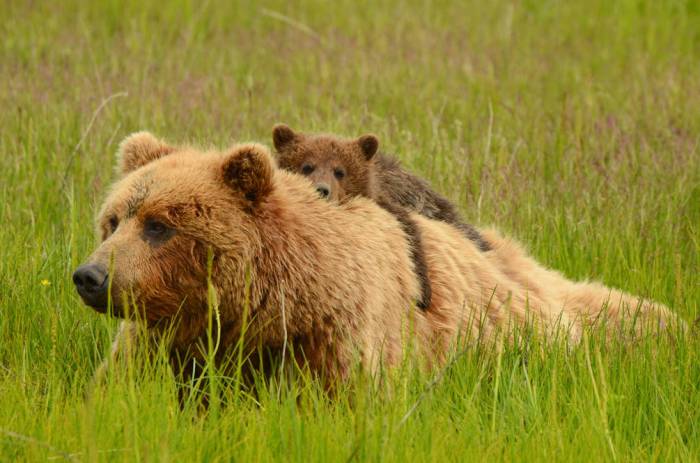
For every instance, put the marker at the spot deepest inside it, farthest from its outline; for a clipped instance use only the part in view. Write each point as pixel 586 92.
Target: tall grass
pixel 573 126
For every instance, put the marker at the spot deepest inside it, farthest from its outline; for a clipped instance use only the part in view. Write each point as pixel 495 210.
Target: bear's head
pixel 339 168
pixel 170 216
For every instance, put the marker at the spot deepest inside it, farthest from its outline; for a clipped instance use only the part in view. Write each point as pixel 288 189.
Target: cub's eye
pixel 339 173
pixel 113 223
pixel 156 230
pixel 306 169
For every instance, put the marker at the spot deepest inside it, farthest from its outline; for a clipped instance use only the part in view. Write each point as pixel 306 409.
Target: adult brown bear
pixel 335 281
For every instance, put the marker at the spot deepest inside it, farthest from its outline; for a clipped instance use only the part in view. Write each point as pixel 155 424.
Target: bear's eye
pixel 306 169
pixel 339 173
pixel 156 231
pixel 113 223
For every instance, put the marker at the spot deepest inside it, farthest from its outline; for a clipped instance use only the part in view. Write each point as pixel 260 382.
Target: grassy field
pixel 573 126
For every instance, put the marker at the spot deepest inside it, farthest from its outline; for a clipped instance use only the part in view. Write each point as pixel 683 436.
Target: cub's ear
pixel 138 149
pixel 248 169
pixel 282 136
pixel 369 144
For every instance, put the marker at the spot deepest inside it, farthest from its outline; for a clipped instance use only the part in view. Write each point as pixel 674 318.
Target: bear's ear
pixel 369 144
pixel 248 169
pixel 282 136
pixel 138 149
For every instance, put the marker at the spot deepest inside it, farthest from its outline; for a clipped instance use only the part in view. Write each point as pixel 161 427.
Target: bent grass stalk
pixel 214 323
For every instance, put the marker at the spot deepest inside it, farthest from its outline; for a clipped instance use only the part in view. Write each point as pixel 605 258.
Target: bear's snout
pixel 323 190
pixel 92 283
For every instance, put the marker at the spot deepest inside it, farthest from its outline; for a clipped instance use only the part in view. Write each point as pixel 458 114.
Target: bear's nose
pixel 323 190
pixel 91 281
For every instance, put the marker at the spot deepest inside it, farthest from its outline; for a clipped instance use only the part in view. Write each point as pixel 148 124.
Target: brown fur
pixel 335 293
pixel 365 174
pixel 381 178
pixel 582 300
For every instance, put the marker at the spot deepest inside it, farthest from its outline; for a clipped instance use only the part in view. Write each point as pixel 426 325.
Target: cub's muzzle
pixel 323 190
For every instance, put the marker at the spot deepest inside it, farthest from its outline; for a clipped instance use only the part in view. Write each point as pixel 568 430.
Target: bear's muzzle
pixel 92 283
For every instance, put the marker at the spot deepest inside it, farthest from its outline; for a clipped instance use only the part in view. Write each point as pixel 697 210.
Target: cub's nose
pixel 323 190
pixel 91 281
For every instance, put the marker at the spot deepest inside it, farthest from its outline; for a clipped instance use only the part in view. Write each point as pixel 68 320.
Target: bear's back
pixel 409 191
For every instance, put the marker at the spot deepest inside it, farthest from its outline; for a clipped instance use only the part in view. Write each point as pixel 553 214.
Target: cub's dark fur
pixel 343 168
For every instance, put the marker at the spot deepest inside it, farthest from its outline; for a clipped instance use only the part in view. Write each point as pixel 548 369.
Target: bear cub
pixel 345 168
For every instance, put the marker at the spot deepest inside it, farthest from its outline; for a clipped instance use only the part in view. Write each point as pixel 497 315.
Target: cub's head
pixel 339 168
pixel 171 211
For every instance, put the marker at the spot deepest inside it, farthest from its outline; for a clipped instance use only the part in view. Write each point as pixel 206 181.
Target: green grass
pixel 573 126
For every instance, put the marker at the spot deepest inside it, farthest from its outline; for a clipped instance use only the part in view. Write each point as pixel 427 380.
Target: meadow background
pixel 573 126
